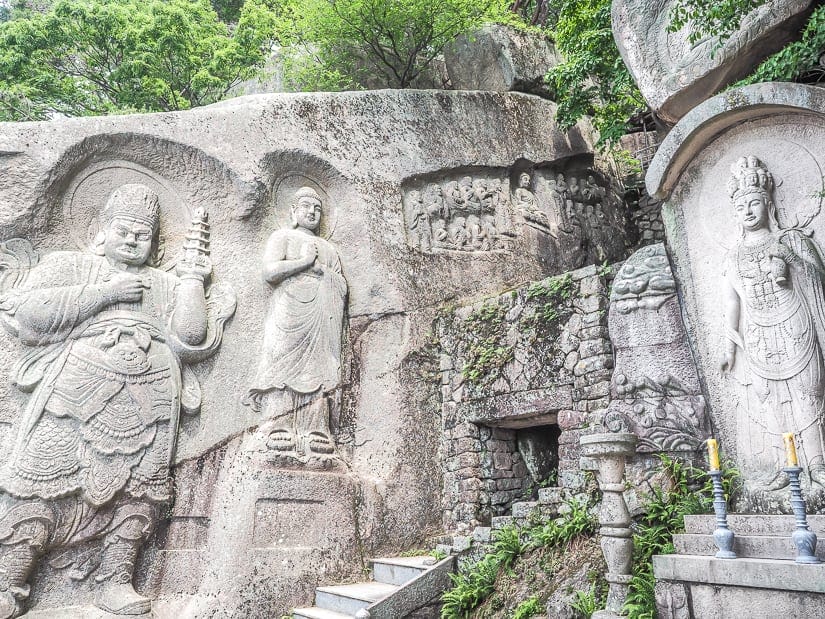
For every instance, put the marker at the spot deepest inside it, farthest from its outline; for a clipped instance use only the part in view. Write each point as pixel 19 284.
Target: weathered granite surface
pixel 500 58
pixel 264 511
pixel 655 390
pixel 741 176
pixel 675 75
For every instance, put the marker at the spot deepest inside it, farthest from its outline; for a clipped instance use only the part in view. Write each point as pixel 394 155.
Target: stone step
pixel 753 546
pixel 352 598
pixel 552 496
pixel 758 573
pixel 318 613
pixel 400 570
pixel 747 524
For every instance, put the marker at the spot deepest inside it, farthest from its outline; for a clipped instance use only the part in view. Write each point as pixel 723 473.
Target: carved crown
pixel 134 201
pixel 749 175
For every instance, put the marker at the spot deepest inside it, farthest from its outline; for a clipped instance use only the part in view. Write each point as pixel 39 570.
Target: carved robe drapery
pixel 782 335
pixel 304 322
pixel 104 411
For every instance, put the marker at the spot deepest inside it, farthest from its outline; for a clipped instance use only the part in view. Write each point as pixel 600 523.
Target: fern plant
pixel 691 493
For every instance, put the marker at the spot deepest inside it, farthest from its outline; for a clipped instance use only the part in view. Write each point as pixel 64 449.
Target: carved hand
pixel 728 359
pixel 310 253
pixel 197 266
pixel 124 287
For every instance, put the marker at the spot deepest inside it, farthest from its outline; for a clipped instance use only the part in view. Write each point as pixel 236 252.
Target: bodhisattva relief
pixel 774 330
pixel 300 364
pixel 110 338
pixel 469 214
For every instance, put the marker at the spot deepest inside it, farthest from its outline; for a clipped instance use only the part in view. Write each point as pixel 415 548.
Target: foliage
pixel 85 57
pixel 488 351
pixel 575 522
pixel 586 602
pixel 342 44
pixel 593 80
pixel 474 584
pixel 528 608
pixel 471 586
pixel 691 493
pixel 228 10
pixel 797 60
pixel 718 18
pixel 552 294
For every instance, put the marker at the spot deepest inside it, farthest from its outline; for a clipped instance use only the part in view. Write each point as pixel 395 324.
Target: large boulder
pixel 675 75
pixel 500 58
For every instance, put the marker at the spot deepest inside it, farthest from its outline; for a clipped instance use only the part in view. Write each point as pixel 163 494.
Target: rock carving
pixel 468 215
pixel 110 338
pixel 656 393
pixel 774 328
pixel 301 358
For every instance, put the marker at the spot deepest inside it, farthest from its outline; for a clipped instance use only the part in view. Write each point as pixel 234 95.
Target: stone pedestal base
pixel 690 586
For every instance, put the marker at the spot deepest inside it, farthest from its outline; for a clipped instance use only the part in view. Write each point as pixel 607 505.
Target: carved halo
pixel 797 193
pixel 86 196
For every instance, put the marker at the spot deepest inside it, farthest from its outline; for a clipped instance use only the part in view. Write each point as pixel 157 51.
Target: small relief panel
pixel 487 210
pixel 468 213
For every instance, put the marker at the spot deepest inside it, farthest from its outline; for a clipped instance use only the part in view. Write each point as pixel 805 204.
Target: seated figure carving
pixel 109 335
pixel 301 360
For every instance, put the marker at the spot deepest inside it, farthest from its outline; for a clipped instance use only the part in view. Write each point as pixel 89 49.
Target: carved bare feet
pixel 818 474
pixel 779 481
pixel 122 599
pixel 320 443
pixel 281 440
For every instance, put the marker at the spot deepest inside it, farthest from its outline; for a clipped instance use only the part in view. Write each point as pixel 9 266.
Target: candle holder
pixel 803 538
pixel 722 536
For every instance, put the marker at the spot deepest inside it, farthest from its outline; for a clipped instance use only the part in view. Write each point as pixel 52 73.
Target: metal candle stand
pixel 803 538
pixel 722 536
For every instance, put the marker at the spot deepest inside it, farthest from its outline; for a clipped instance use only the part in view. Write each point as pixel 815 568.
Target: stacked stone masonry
pixel 533 364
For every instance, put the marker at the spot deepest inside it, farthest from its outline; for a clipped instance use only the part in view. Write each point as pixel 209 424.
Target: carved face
pixel 751 211
pixel 524 180
pixel 128 241
pixel 307 213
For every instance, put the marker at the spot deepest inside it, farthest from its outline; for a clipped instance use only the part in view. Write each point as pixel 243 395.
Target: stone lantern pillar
pixel 610 450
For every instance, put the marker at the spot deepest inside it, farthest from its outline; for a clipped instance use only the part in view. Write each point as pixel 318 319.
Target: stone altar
pixel 229 543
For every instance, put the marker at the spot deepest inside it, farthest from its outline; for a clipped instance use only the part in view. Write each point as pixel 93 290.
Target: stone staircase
pixel 763 582
pixel 399 586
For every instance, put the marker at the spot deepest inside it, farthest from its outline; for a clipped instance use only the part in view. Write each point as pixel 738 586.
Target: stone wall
pixel 521 375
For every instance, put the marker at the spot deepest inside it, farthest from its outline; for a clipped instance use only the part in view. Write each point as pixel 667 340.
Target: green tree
pixel 797 61
pixel 342 43
pixel 593 80
pixel 84 57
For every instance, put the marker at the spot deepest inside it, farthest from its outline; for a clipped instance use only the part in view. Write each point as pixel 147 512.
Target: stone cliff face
pixel 401 202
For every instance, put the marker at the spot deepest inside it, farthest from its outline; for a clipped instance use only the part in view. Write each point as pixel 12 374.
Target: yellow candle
pixel 713 454
pixel 790 449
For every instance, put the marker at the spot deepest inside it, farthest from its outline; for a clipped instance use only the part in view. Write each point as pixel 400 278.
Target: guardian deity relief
pixel 110 339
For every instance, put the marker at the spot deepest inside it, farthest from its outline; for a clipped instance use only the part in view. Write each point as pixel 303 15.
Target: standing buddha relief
pixel 109 337
pixel 774 326
pixel 300 364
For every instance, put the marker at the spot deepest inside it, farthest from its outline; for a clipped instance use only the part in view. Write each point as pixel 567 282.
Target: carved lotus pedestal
pixel 610 451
